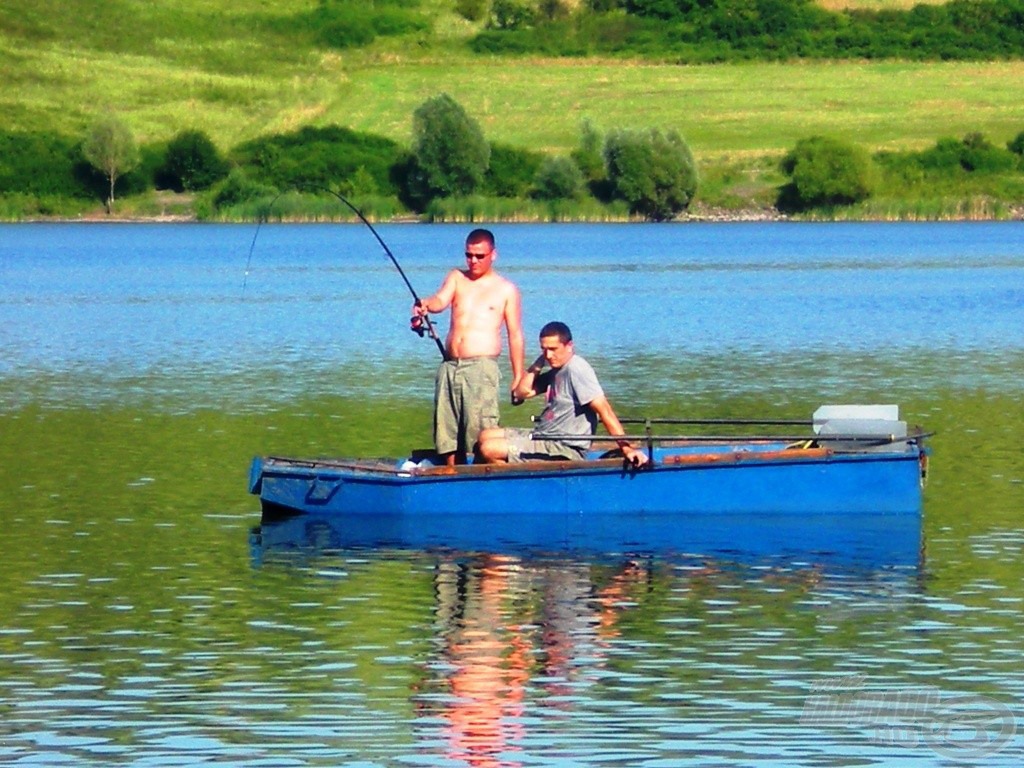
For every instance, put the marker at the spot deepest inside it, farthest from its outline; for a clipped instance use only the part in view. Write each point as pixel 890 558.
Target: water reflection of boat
pixel 870 540
pixel 852 487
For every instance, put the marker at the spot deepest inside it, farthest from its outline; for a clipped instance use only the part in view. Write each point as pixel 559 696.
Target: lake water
pixel 146 617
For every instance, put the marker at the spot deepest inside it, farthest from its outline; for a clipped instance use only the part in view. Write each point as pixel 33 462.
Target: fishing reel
pixel 417 326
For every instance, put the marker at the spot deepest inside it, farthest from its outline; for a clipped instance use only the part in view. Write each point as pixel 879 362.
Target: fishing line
pixel 425 318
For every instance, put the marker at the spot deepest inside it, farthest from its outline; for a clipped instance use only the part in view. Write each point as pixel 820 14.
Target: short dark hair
pixel 559 329
pixel 481 236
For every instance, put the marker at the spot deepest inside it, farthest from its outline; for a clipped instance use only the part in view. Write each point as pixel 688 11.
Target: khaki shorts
pixel 523 447
pixel 465 402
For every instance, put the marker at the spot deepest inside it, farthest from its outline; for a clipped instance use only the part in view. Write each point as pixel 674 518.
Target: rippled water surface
pixel 149 617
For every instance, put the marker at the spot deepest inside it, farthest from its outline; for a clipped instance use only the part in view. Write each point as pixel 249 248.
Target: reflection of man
pixel 487 663
pixel 575 401
pixel 466 390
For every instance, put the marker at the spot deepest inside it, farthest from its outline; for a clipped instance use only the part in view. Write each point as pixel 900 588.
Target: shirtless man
pixel 466 390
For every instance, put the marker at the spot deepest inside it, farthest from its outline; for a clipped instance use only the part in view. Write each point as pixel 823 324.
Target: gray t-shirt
pixel 568 392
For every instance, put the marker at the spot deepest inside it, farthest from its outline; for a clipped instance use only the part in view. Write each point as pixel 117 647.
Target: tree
pixel 826 171
pixel 653 172
pixel 110 148
pixel 450 153
pixel 587 154
pixel 193 162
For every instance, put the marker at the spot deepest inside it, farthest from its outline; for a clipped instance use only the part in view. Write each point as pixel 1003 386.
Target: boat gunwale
pixel 389 468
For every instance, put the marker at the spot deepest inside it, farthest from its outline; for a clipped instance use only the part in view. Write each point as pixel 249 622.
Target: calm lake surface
pixel 147 618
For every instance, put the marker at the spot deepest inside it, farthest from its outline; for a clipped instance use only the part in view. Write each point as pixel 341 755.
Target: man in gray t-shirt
pixel 574 404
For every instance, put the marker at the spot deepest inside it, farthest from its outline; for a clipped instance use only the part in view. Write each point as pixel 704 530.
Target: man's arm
pixel 441 300
pixel 516 344
pixel 604 411
pixel 528 383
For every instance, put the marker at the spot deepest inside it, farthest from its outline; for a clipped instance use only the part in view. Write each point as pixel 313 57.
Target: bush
pixel 352 24
pixel 472 10
pixel 825 172
pixel 238 188
pixel 558 178
pixel 331 156
pixel 654 173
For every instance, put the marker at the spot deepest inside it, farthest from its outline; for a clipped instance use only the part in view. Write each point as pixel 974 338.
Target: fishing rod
pixel 424 325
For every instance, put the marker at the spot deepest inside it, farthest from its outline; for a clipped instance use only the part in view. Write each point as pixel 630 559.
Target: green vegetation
pixel 826 172
pixel 260 82
pixel 110 148
pixel 654 173
pixel 702 31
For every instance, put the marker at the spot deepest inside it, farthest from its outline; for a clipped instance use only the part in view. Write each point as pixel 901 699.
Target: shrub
pixel 826 171
pixel 654 173
pixel 40 164
pixel 1016 145
pixel 980 155
pixel 352 24
pixel 558 178
pixel 511 14
pixel 511 171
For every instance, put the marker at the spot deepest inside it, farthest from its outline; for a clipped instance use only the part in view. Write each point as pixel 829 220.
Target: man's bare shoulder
pixel 510 288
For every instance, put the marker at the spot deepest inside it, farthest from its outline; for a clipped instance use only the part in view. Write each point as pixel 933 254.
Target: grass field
pixel 720 110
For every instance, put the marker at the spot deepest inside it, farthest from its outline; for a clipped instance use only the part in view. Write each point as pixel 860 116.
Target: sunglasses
pixel 477 256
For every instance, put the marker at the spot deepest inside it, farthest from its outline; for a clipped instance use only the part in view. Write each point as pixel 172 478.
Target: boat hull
pixel 752 500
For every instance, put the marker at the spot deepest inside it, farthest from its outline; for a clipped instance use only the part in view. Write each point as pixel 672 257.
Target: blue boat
pixel 855 477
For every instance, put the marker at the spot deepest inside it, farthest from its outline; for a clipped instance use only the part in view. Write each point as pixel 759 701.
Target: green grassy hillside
pixel 238 70
pixel 242 69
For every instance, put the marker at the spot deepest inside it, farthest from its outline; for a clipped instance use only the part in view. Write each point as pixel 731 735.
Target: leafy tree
pixel 826 171
pixel 193 162
pixel 558 178
pixel 110 148
pixel 449 150
pixel 653 172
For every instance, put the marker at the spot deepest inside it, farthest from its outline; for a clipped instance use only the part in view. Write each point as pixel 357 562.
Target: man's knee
pixel 492 445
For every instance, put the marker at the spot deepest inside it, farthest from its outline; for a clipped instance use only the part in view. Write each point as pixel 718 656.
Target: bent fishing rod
pixel 426 325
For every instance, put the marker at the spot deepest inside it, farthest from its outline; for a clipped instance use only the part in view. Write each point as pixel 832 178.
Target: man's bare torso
pixel 478 311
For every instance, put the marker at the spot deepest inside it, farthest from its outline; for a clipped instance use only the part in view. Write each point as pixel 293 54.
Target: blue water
pixel 147 618
pixel 177 301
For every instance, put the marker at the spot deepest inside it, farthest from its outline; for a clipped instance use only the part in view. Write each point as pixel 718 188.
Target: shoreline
pixel 698 215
